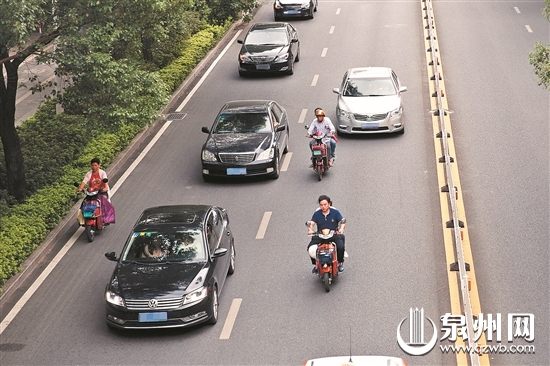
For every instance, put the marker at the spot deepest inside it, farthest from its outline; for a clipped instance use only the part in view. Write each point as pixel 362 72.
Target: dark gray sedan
pixel 248 137
pixel 269 48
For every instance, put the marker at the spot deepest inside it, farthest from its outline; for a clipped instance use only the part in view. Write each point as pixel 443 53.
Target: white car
pixel 357 361
pixel 369 101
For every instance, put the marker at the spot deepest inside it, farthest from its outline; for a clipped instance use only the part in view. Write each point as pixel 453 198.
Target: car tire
pixel 277 19
pixel 231 269
pixel 311 15
pixel 315 8
pixel 402 131
pixel 242 73
pixel 276 167
pixel 214 304
pixel 287 139
pixel 297 58
pixel 290 68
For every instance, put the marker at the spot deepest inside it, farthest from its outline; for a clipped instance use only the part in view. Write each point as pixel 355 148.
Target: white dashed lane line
pixel 263 225
pixel 314 81
pixel 231 317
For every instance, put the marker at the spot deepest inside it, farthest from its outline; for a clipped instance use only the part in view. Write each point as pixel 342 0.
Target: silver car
pixel 369 101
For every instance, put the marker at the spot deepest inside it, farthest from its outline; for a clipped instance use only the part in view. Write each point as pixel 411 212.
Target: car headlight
pixel 245 58
pixel 114 299
pixel 208 155
pixel 266 154
pixel 196 295
pixel 396 112
pixel 282 57
pixel 343 114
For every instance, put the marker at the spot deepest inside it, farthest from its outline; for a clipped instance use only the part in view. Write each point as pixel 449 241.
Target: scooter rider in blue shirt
pixel 327 217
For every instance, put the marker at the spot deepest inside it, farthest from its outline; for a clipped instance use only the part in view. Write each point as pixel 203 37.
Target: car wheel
pixel 286 146
pixel 290 68
pixel 311 15
pixel 297 58
pixel 242 73
pixel 214 307
pixel 277 18
pixel 231 269
pixel 316 4
pixel 276 167
pixel 402 131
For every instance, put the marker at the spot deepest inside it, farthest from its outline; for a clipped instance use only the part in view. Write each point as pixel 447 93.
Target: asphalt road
pixel 386 186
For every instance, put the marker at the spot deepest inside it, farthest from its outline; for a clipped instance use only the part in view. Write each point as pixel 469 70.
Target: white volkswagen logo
pixel 153 303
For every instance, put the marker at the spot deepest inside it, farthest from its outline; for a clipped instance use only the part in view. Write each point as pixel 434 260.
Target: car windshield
pixel 242 123
pixel 152 247
pixel 267 36
pixel 368 87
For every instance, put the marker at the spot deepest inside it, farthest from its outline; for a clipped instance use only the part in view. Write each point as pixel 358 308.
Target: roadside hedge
pixel 25 226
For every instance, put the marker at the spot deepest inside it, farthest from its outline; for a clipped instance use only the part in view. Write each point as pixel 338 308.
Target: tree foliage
pixel 540 57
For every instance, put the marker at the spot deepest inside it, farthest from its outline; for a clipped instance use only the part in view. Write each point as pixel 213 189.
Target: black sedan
pixel 172 268
pixel 248 137
pixel 269 48
pixel 294 8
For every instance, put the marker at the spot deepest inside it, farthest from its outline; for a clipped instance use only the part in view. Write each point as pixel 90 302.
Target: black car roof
pixel 183 216
pixel 246 106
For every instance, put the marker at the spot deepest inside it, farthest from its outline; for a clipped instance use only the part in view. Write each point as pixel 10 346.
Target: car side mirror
pixel 336 90
pixel 280 128
pixel 403 89
pixel 294 40
pixel 205 130
pixel 220 252
pixel 111 256
pixel 240 41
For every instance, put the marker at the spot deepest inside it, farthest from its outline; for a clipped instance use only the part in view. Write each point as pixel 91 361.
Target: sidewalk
pixel 26 103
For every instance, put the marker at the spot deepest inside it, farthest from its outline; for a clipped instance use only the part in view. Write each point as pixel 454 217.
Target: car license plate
pixel 236 171
pixel 292 12
pixel 262 67
pixel 153 317
pixel 369 125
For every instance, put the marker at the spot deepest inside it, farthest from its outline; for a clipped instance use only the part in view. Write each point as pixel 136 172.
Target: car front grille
pixel 237 158
pixel 262 59
pixel 161 304
pixel 369 117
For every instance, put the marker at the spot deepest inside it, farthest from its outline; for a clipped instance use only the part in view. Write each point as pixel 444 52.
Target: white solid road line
pixel 263 225
pixel 207 72
pixel 231 317
pixel 28 294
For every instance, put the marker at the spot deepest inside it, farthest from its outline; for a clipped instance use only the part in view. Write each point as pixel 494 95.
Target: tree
pixel 540 57
pixel 18 20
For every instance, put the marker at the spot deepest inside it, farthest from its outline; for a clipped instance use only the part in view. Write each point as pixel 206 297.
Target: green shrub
pixel 58 150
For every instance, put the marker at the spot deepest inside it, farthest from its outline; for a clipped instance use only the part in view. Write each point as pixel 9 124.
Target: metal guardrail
pixel 447 160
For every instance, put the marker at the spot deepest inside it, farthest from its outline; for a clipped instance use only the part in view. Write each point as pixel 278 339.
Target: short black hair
pixel 324 197
pixel 95 160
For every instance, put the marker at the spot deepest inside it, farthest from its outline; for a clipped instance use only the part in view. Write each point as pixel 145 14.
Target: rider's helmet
pixel 320 112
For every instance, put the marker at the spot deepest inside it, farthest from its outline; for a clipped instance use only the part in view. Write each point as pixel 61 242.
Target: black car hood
pixel 145 281
pixel 238 142
pixel 264 49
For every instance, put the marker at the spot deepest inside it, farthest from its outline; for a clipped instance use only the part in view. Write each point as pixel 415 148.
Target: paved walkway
pixel 26 103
